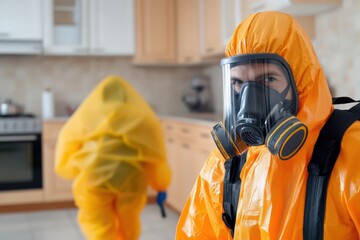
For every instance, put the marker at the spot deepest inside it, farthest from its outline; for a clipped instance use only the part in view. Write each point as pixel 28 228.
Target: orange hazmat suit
pixel 112 147
pixel 272 195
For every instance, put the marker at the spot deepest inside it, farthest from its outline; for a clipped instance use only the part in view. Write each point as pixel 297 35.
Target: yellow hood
pixel 112 125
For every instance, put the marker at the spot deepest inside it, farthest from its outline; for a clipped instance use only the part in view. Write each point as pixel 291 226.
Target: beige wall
pixel 23 78
pixel 338 46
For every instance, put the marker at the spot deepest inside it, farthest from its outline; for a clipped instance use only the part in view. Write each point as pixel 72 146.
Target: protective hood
pixel 272 195
pixel 274 32
pixel 113 125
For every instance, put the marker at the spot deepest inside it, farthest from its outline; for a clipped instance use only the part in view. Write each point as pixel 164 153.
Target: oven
pixel 20 153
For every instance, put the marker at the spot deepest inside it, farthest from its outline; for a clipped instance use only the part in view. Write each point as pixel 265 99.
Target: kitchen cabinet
pixel 155 31
pixel 89 27
pixel 55 188
pixel 112 27
pixel 21 26
pixel 218 20
pixel 188 31
pixel 188 145
pixel 20 20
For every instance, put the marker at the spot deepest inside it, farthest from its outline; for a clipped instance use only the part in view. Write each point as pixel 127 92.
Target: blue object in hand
pixel 160 199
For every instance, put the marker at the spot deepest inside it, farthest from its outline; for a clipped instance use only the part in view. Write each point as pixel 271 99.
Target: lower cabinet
pixel 188 146
pixel 55 188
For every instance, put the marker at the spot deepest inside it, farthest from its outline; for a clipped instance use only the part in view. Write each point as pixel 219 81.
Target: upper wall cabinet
pixel 20 19
pixel 21 26
pixel 82 27
pixel 155 32
pixel 187 26
pixel 112 27
pixel 218 20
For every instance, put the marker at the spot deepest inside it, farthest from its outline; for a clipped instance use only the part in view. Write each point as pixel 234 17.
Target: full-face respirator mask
pixel 260 104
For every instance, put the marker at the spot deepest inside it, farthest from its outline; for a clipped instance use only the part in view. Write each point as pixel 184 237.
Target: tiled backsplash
pixel 23 78
pixel 337 44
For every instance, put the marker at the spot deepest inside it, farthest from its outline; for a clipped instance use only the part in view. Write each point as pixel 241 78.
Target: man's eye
pixel 236 82
pixel 269 79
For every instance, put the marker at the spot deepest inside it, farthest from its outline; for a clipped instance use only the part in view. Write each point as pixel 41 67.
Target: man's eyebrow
pixel 236 79
pixel 267 73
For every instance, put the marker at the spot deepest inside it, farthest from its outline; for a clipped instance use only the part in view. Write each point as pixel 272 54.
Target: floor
pixel 62 225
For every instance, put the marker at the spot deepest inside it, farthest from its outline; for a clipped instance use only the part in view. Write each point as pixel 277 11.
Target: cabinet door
pixel 55 188
pixel 210 28
pixel 112 27
pixel 174 192
pixel 188 31
pixel 21 19
pixel 232 14
pixel 155 31
pixel 187 169
pixel 66 27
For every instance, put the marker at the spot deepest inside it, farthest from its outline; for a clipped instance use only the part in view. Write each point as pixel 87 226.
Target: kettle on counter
pixel 8 107
pixel 199 99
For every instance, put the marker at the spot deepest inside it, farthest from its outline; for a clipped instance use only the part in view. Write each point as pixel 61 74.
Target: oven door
pixel 20 162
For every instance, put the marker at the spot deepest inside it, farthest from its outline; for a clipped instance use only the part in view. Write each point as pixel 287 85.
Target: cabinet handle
pixel 185 145
pixel 98 50
pixel 203 135
pixel 80 50
pixel 185 130
pixel 4 35
pixel 188 59
pixel 209 50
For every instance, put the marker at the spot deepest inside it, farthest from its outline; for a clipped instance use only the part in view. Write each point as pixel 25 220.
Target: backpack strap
pixel 326 151
pixel 232 186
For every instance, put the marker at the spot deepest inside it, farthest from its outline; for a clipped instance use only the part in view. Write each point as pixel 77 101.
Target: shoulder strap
pixel 232 185
pixel 326 151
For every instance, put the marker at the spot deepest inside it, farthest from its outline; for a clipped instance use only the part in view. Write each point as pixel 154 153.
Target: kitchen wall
pixel 338 46
pixel 23 78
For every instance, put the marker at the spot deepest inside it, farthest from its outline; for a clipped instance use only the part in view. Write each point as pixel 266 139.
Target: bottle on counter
pixel 47 101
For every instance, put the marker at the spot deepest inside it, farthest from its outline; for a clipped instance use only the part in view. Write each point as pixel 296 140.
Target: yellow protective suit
pixel 272 195
pixel 113 147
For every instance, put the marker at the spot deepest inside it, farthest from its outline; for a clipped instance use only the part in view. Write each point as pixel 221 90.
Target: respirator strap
pixel 232 186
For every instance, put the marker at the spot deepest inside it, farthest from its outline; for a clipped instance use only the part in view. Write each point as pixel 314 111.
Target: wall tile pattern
pixel 23 78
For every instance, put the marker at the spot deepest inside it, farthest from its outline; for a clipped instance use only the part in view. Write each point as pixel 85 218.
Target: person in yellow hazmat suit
pixel 113 147
pixel 270 64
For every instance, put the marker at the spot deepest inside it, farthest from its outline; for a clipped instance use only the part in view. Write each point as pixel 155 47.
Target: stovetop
pixel 20 124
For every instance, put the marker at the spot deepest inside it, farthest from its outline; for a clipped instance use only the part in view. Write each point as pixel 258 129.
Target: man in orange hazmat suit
pixel 112 147
pixel 274 91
